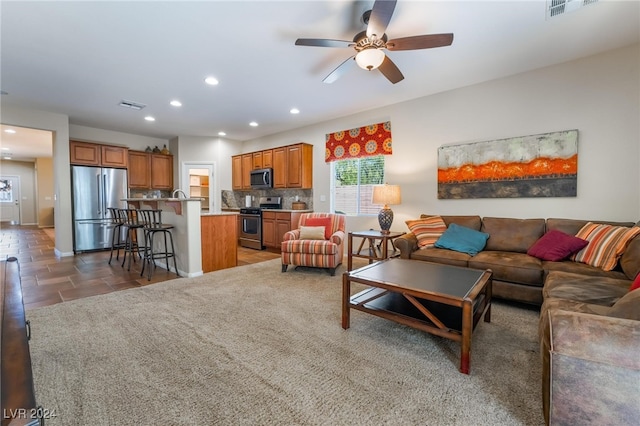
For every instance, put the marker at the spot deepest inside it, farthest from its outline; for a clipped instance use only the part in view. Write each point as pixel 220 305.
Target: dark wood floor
pixel 47 279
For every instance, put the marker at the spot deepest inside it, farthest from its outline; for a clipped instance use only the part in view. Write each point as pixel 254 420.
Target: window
pixel 352 184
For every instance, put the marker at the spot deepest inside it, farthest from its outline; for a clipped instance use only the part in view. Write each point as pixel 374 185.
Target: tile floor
pixel 47 279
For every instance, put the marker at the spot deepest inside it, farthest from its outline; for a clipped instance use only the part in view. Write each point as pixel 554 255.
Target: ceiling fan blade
pixel 420 42
pixel 380 16
pixel 323 42
pixel 390 70
pixel 340 71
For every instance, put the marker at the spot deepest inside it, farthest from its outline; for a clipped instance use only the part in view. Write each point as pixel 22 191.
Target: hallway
pixel 47 279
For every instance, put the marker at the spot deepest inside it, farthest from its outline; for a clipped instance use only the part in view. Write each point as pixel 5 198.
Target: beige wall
pixel 45 192
pixel 598 95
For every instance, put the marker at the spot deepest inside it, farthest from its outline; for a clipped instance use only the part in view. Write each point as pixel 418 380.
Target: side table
pixel 374 252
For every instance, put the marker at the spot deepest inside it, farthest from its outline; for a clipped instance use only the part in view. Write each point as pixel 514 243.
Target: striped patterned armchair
pixel 318 253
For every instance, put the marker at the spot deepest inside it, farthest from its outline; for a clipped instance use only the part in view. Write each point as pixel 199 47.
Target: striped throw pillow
pixel 606 244
pixel 427 230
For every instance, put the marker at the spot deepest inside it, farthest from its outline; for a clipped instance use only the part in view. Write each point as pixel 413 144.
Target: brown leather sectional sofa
pixel 579 294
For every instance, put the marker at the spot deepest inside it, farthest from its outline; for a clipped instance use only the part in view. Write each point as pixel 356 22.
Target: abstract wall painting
pixel 543 165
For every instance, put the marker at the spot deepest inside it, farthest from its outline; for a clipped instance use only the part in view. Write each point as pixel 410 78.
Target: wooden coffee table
pixel 447 301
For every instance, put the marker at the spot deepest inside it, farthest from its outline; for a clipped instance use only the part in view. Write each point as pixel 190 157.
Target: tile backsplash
pixel 236 199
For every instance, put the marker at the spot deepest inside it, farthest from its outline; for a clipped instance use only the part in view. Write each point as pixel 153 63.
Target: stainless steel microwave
pixel 262 178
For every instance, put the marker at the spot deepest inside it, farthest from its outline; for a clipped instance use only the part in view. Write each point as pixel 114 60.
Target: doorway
pixel 10 199
pixel 198 182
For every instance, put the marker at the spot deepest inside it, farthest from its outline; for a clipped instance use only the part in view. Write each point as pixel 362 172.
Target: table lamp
pixel 386 194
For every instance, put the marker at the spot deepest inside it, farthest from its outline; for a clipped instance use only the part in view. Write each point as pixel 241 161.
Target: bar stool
pixel 117 242
pixel 132 223
pixel 153 225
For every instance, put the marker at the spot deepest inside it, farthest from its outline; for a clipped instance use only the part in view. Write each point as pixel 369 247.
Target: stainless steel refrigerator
pixel 94 190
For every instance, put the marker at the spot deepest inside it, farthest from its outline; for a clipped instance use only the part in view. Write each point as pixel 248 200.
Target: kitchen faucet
pixel 178 191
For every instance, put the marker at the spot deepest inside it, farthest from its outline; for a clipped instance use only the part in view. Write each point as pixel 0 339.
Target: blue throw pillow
pixel 462 239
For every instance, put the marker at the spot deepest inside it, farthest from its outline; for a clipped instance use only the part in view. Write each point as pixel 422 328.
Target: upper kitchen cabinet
pixel 257 160
pixel 150 171
pixel 236 172
pixel 300 166
pixel 247 166
pixel 267 159
pixel 92 154
pixel 162 171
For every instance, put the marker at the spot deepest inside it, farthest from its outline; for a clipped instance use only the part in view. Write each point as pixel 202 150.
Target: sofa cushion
pixel 515 235
pixel 310 247
pixel 473 222
pixel 427 230
pixel 581 288
pixel 630 260
pixel 606 244
pixel 508 266
pixel 581 268
pixel 556 245
pixel 628 306
pixel 462 239
pixel 321 221
pixel 437 255
pixel 312 232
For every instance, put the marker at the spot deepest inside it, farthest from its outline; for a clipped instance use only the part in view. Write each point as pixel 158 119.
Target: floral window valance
pixel 367 141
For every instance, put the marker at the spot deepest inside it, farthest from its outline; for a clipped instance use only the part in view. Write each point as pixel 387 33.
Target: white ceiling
pixel 82 58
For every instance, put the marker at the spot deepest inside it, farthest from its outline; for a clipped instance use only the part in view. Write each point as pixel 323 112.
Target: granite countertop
pixel 222 213
pixel 162 199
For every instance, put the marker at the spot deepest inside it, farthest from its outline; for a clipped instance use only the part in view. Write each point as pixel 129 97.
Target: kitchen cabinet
pixel 247 166
pixel 257 160
pixel 275 224
pixel 267 159
pixel 236 172
pixel 162 171
pixel 93 154
pixel 150 171
pixel 300 166
pixel 139 170
pixel 280 167
pixel 219 241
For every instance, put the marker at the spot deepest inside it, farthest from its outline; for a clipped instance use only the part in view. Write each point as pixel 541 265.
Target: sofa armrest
pixel 337 237
pixel 294 234
pixel 595 368
pixel 407 244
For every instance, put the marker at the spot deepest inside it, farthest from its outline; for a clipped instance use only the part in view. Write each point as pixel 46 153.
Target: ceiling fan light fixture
pixel 370 58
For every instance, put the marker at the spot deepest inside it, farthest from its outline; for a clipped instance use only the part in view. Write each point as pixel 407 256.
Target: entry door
pixel 10 199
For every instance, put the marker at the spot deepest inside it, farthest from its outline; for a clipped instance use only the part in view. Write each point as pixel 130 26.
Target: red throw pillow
pixel 556 245
pixel 635 284
pixel 321 221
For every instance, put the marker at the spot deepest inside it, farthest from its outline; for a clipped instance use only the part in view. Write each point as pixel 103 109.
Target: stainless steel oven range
pixel 251 222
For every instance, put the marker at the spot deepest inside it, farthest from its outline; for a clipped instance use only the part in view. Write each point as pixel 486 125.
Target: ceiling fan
pixel 369 44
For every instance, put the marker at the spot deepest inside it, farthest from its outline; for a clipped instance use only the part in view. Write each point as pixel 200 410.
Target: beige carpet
pixel 254 346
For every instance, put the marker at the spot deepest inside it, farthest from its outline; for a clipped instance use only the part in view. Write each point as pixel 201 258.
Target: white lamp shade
pixel 370 59
pixel 386 195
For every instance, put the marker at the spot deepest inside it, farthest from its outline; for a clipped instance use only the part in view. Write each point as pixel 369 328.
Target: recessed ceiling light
pixel 5 148
pixel 149 118
pixel 10 131
pixel 222 134
pixel 211 81
pixel 294 111
pixel 7 158
pixel 253 124
pixel 176 103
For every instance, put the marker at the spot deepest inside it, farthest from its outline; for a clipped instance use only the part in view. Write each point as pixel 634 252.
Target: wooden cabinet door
pixel 267 159
pixel 247 166
pixel 218 242
pixel 257 160
pixel 114 156
pixel 139 170
pixel 300 166
pixel 269 229
pixel 236 172
pixel 283 225
pixel 84 153
pixel 162 171
pixel 280 167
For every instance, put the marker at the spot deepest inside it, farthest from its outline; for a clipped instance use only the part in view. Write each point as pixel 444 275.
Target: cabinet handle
pixel 28 329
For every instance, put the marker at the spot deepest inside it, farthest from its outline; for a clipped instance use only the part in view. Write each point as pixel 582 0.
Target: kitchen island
pixel 184 215
pixel 219 240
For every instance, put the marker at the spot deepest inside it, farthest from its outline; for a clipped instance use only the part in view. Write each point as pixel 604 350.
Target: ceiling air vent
pixel 130 104
pixel 560 7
